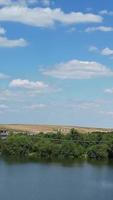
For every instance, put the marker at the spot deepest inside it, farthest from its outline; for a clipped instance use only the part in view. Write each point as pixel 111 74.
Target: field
pixel 49 128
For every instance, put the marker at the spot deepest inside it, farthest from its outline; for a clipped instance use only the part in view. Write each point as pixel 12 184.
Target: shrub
pixel 98 152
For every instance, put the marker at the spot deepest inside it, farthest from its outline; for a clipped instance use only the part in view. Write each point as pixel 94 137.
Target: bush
pixel 98 152
pixel 58 146
pixel 17 146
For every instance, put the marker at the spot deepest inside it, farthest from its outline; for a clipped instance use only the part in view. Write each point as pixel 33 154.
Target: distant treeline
pixel 97 145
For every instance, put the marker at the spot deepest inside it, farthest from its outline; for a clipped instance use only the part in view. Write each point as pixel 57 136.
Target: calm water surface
pixel 45 181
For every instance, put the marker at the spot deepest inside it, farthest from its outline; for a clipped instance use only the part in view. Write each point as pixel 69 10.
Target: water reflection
pixel 81 180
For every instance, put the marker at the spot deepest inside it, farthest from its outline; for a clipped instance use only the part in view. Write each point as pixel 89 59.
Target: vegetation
pixel 98 145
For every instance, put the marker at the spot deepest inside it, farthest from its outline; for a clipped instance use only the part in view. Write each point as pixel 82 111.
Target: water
pixel 46 181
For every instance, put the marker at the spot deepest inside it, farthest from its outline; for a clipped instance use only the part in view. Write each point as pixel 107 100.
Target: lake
pixel 55 181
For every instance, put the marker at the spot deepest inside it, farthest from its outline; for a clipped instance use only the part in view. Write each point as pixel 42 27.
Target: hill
pixel 50 128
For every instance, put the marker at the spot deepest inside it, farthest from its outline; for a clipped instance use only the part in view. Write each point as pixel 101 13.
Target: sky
pixel 56 62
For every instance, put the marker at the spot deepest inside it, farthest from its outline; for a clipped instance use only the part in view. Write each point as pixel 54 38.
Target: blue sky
pixel 56 62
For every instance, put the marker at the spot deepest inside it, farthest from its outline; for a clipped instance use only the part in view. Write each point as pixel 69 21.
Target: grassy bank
pixel 98 145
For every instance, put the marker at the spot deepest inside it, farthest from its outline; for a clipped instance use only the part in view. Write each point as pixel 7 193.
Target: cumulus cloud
pixel 99 28
pixel 10 43
pixel 45 17
pixel 106 51
pixel 76 69
pixel 5 42
pixel 26 84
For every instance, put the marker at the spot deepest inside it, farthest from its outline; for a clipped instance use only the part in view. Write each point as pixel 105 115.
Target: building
pixel 4 134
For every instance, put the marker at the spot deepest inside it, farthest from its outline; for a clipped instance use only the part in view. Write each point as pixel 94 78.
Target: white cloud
pixel 5 42
pixel 35 106
pixel 93 49
pixel 24 2
pixel 76 69
pixel 42 2
pixel 106 12
pixel 17 2
pixel 45 17
pixel 26 84
pixel 107 52
pixel 103 12
pixel 99 28
pixel 2 31
pixel 3 76
pixel 10 43
pixel 109 90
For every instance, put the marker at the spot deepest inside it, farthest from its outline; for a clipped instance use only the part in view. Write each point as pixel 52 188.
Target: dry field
pixel 49 128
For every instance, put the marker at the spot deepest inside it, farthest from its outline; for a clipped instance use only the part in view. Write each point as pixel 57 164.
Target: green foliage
pixel 17 146
pixel 71 150
pixel 98 152
pixel 59 146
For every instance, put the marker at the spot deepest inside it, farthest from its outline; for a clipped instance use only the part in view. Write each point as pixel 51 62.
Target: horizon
pixel 58 125
pixel 56 64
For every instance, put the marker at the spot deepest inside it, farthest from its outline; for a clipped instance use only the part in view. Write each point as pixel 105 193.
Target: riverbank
pixel 57 146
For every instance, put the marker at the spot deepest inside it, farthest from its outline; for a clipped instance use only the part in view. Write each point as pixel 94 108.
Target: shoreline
pixel 58 146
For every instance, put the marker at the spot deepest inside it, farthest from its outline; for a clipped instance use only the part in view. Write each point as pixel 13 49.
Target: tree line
pixel 96 145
